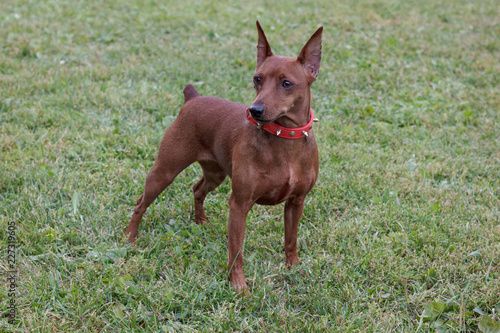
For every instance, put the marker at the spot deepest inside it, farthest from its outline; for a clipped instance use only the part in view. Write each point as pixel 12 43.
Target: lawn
pixel 400 234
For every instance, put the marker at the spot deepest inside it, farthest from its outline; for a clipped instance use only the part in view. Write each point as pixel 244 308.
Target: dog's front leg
pixel 293 212
pixel 238 210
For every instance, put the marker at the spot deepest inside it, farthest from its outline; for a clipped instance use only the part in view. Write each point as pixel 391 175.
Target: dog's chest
pixel 282 183
pixel 270 172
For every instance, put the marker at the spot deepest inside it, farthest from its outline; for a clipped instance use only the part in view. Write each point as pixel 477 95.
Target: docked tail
pixel 190 92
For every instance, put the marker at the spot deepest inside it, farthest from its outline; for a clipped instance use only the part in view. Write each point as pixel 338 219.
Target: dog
pixel 268 149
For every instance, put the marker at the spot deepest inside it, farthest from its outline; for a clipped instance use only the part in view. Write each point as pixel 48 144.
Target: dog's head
pixel 282 83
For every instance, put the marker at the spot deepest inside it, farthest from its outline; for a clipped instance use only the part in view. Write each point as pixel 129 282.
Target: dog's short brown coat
pixel 264 168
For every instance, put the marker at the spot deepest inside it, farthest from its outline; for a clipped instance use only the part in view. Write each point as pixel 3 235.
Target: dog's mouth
pixel 264 121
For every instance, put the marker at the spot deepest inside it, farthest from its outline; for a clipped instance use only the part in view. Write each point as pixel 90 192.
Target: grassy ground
pixel 401 232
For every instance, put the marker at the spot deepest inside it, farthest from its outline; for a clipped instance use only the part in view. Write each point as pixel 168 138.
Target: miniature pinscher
pixel 268 149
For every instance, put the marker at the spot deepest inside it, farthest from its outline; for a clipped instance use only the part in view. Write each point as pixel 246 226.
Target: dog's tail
pixel 190 92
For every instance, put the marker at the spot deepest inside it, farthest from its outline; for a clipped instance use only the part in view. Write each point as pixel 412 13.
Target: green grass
pixel 401 232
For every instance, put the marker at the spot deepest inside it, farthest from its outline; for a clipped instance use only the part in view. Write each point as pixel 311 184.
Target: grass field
pixel 400 234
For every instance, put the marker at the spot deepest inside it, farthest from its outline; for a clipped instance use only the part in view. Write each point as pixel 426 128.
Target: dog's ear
pixel 263 48
pixel 310 56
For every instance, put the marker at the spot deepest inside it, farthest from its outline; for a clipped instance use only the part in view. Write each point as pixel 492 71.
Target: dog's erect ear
pixel 263 48
pixel 310 56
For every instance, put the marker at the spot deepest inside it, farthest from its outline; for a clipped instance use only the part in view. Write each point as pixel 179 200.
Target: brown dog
pixel 268 149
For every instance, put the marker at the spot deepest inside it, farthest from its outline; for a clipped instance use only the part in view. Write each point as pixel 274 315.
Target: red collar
pixel 284 132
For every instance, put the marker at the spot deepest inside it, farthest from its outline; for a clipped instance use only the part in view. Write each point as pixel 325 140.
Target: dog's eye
pixel 256 80
pixel 286 84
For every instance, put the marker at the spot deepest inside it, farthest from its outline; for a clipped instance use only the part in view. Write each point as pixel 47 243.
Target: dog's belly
pixel 271 200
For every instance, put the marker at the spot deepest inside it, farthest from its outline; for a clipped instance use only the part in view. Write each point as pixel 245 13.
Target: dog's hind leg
pixel 213 176
pixel 171 160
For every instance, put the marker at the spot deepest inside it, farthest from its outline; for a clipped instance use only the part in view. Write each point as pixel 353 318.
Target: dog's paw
pixel 240 285
pixel 242 290
pixel 292 261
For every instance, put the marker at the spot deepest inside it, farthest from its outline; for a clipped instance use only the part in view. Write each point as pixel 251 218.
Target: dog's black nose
pixel 256 110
